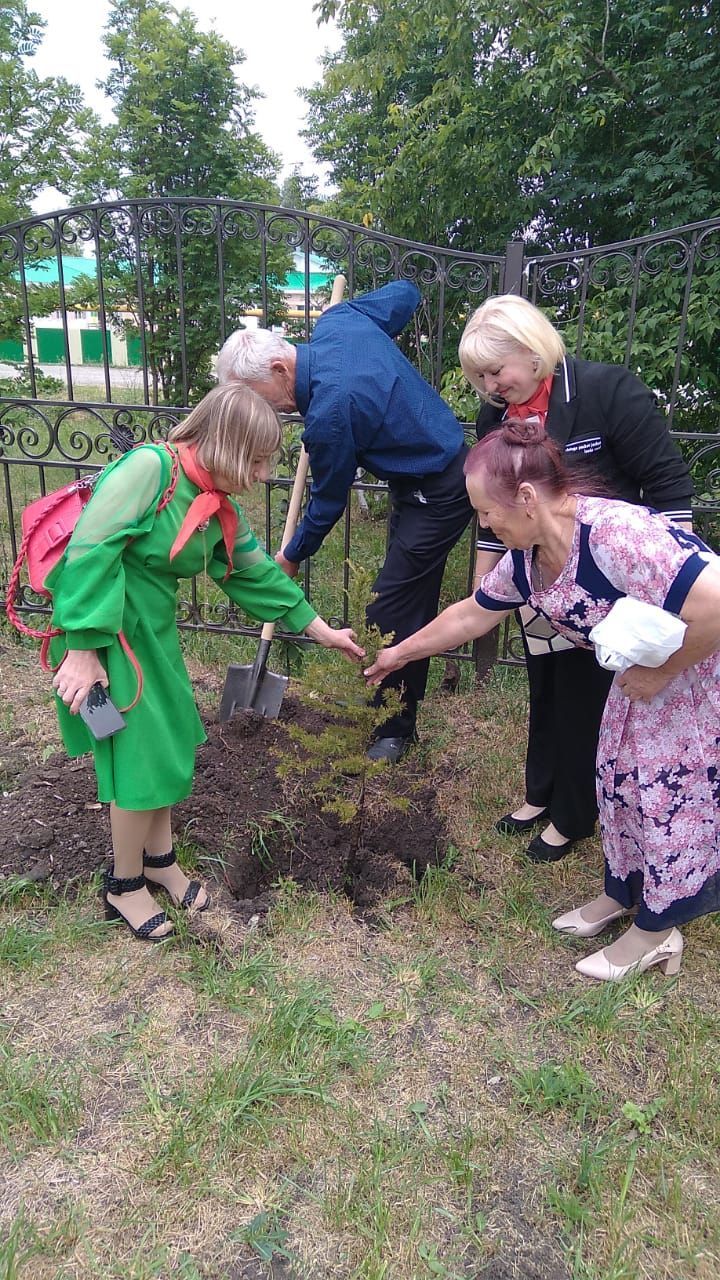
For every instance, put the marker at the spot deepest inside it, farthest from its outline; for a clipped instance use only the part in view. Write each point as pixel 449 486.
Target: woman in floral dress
pixel 658 766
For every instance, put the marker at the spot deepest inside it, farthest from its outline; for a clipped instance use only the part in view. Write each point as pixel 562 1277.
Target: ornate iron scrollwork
pixel 144 245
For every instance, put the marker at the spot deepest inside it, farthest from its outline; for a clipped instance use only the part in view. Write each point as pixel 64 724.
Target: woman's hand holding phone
pixel 76 675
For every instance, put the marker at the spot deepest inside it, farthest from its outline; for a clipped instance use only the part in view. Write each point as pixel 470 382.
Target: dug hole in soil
pixel 250 826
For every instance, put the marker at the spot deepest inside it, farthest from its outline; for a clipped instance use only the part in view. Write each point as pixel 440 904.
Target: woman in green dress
pixel 116 586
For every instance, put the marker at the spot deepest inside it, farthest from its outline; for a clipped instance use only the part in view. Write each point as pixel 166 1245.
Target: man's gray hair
pixel 248 354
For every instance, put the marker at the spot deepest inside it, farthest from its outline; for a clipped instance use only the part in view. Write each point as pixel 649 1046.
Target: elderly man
pixel 365 405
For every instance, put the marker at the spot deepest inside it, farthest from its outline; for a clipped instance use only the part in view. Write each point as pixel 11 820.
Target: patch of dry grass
pixel 432 1093
pixel 26 703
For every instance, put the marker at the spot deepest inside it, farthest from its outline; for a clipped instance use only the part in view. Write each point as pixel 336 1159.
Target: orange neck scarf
pixel 538 404
pixel 209 502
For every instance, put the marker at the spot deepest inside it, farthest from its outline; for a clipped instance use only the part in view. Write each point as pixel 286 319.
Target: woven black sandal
pixel 158 862
pixel 146 931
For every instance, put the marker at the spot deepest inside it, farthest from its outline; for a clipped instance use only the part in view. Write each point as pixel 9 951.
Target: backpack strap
pixel 174 472
pixel 137 669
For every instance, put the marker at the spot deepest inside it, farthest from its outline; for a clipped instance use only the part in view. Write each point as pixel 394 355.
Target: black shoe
pixel 539 850
pixel 509 826
pixel 118 886
pixel 158 862
pixel 390 749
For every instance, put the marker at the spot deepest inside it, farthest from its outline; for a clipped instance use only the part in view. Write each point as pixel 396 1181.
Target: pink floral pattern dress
pixel 658 762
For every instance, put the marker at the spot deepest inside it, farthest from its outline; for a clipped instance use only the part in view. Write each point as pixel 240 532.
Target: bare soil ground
pixel 240 818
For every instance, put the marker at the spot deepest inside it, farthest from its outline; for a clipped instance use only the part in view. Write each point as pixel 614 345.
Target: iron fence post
pixel 485 652
pixel 514 267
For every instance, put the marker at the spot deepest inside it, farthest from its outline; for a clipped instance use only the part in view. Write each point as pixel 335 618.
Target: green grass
pixel 433 1092
pixel 236 982
pixel 40 926
pixel 295 1052
pixel 554 1085
pixel 264 830
pixel 266 1237
pixel 39 1100
pixel 29 1244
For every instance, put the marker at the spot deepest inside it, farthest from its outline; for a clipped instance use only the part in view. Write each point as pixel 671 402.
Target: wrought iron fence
pixel 159 284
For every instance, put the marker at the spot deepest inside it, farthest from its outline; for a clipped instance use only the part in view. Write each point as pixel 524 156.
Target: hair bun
pixel 522 431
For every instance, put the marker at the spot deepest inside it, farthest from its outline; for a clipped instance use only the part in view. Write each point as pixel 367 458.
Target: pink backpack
pixel 47 527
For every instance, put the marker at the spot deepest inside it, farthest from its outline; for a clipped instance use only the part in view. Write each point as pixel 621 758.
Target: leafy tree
pixel 396 119
pixel 468 122
pixel 43 130
pixel 43 124
pixel 624 138
pixel 184 124
pixel 300 191
pixel 183 128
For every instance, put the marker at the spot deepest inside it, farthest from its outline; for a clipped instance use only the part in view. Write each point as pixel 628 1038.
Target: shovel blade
pixel 244 692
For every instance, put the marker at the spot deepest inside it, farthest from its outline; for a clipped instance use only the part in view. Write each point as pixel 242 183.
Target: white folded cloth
pixel 636 634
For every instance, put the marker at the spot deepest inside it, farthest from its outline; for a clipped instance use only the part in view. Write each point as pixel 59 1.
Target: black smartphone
pixel 100 714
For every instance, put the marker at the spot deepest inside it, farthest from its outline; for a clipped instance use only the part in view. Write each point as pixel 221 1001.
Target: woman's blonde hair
pixel 504 326
pixel 231 426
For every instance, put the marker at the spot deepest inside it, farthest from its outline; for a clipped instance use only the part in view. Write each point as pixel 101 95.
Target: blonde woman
pixel 118 579
pixel 606 421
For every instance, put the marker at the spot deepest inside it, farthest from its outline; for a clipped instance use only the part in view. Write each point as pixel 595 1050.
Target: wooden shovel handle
pixel 337 292
pixel 298 489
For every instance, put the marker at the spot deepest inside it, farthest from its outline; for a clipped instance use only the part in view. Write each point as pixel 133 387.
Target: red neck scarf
pixel 209 502
pixel 537 406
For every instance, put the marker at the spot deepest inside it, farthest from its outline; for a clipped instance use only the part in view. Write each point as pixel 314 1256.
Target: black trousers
pixel 568 691
pixel 429 516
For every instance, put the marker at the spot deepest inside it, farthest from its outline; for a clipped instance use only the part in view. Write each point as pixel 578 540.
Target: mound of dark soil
pixel 251 829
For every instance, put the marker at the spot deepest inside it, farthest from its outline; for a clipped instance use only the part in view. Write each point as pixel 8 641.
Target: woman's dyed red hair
pixel 521 452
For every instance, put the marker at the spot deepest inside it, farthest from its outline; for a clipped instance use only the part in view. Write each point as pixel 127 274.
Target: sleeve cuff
pixel 89 639
pixel 299 617
pixel 293 553
pixel 687 576
pixel 499 606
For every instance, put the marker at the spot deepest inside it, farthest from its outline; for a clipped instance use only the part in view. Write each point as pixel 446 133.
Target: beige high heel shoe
pixel 668 954
pixel 574 922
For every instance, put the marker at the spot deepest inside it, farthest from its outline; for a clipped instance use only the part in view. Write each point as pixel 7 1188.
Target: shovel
pixel 253 687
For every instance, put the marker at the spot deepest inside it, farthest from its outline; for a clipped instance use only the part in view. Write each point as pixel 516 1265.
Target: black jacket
pixel 603 415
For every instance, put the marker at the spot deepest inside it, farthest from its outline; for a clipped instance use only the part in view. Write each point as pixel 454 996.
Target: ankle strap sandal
pixel 160 862
pixel 117 886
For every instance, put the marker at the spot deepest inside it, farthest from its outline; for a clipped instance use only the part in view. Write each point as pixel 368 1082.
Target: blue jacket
pixel 365 405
